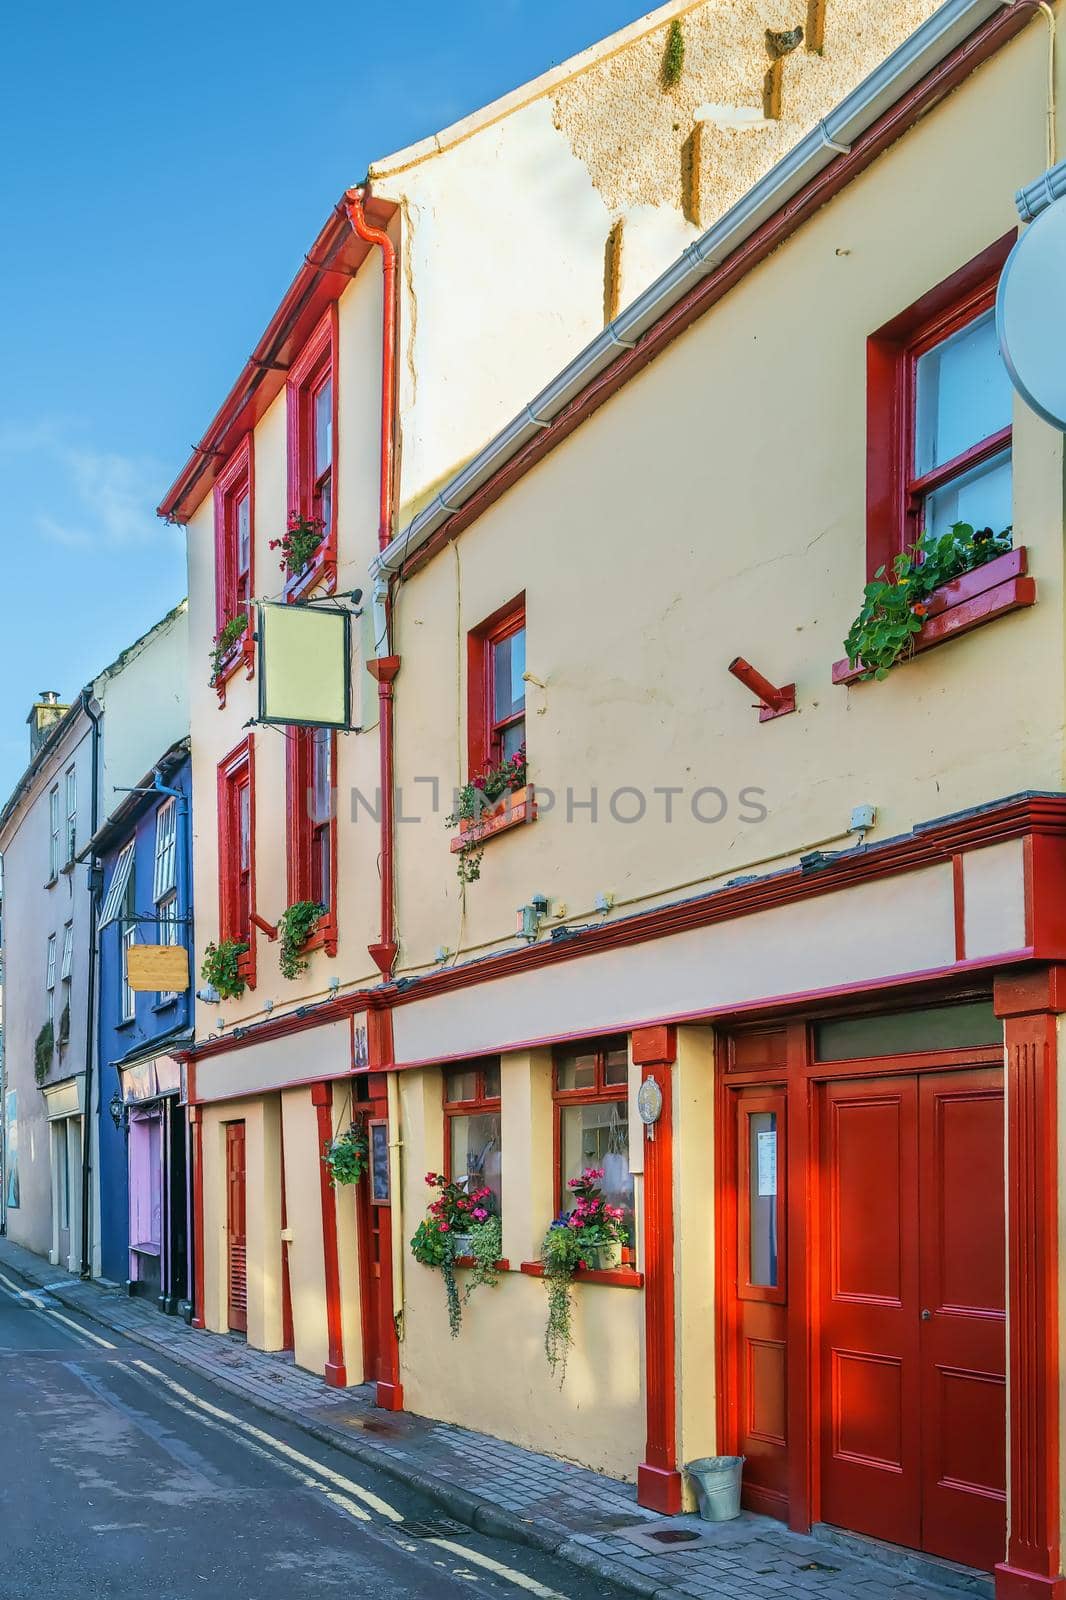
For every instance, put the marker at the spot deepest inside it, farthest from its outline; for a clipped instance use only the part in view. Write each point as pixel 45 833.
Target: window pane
pixel 762 1198
pixel 508 665
pixel 244 825
pixel 460 1083
pixel 963 395
pixel 981 497
pixel 321 774
pixel 931 1028
pixel 244 535
pixel 68 951
pixel 324 503
pixel 490 1078
pixel 577 1072
pixel 321 876
pixel 475 1152
pixel 513 739
pixel 323 423
pixel 598 1136
pixel 616 1066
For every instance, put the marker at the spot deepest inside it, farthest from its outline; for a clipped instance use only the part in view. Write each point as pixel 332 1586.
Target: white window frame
pixel 166 850
pixel 53 832
pixel 127 936
pixel 50 977
pixel 167 910
pixel 116 891
pixel 71 797
pixel 67 965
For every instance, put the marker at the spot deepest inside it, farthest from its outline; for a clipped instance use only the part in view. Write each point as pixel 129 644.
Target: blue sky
pixel 165 168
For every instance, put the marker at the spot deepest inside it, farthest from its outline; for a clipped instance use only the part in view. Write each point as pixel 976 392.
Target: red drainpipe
pixel 384 668
pixel 354 200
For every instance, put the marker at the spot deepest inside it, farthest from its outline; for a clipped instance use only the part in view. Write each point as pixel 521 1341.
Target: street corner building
pixel 566 622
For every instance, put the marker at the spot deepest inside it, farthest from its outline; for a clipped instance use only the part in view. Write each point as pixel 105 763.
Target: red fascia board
pixel 332 260
pixel 913 105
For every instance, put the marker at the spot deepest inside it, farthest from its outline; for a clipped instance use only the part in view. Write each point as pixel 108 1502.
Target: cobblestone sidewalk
pixel 588 1519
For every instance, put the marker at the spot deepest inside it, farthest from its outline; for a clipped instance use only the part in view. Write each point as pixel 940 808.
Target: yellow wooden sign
pixel 157 966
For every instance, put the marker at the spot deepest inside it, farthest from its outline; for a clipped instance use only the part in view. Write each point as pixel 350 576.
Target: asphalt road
pixel 122 1475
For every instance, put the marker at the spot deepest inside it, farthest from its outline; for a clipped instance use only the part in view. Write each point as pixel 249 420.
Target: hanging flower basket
pixel 459 1225
pixel 348 1155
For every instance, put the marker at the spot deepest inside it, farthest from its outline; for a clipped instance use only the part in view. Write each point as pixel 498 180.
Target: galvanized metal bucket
pixel 717 1483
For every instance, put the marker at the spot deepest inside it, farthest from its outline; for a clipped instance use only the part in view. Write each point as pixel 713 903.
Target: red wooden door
pixel 912 1337
pixel 375 1249
pixel 761 1342
pixel 963 1324
pixel 236 1236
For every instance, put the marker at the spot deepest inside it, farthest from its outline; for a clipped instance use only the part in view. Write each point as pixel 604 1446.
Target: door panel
pixel 962 1267
pixel 869 1358
pixel 236 1232
pixel 375 1251
pixel 762 1311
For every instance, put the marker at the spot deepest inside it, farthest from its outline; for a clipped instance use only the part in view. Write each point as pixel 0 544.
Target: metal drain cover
pixel 674 1536
pixel 443 1528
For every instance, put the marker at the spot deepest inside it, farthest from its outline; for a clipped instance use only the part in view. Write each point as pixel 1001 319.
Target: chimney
pixel 44 714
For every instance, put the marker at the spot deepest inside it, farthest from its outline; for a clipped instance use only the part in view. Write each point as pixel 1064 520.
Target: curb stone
pixel 479 1515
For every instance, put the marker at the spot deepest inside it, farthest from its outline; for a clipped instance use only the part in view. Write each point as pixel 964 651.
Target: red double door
pixel 911 1347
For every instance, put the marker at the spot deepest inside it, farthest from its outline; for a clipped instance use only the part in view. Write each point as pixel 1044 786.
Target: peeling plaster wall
pixel 506 267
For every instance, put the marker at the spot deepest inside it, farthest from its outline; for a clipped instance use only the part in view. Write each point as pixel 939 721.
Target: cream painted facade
pixel 714 506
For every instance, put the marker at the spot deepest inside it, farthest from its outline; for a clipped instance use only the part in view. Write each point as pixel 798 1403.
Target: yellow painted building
pixel 818 917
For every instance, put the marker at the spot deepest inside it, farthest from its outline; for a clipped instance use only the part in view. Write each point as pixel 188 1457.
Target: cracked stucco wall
pixel 526 224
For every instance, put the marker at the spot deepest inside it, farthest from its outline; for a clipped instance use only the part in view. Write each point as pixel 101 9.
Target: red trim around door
pixel 334 1374
pixel 654 1050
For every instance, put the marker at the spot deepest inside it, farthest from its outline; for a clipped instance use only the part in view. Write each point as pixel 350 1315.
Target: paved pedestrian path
pixel 588 1519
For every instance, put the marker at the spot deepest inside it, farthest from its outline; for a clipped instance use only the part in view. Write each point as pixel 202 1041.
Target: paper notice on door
pixel 767 1162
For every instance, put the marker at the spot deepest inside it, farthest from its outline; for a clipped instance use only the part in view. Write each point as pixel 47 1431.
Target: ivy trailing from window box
pixel 459 1224
pixel 674 55
pixel 591 1227
pixel 224 641
pixel 295 927
pixel 477 797
pixel 894 608
pixel 347 1155
pixel 221 968
pixel 43 1050
pixel 299 543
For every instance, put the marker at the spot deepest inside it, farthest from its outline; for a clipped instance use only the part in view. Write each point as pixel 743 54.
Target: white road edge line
pixel 519 1578
pixel 39 1305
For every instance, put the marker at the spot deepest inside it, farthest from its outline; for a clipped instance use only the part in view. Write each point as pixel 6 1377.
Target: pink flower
pixel 480 1214
pixel 442 1227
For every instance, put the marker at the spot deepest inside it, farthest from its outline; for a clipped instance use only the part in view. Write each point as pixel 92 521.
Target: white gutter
pixel 947 28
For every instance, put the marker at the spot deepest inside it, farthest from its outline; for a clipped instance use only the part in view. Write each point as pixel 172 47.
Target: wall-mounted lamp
pixel 528 918
pixel 117 1107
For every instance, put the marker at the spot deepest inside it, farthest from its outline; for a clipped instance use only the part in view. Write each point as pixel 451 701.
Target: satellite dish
pixel 1031 315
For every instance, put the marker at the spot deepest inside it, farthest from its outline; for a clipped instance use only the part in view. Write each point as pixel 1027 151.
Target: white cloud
pixel 111 496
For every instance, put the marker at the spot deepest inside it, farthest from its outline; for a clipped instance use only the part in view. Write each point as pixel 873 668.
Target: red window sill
pixel 619 1277
pixel 511 812
pixel 241 654
pixel 468 1261
pixel 320 570
pixel 969 602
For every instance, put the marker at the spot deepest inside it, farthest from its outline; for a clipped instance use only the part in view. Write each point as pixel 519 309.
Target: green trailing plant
pixel 486 1247
pixel 221 968
pixel 896 605
pixel 43 1050
pixel 673 55
pixel 299 542
pixel 592 1224
pixel 347 1155
pixel 474 799
pixel 295 927
pixel 224 641
pixel 454 1213
pixel 64 1025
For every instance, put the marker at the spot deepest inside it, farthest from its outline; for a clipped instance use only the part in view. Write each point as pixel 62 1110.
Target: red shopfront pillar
pixel 658 1480
pixel 1029 1005
pixel 335 1374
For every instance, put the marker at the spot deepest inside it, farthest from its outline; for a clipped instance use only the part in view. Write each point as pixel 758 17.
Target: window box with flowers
pixel 589 1240
pixel 497 799
pixel 300 545
pixel 461 1229
pixel 232 645
pixel 941 587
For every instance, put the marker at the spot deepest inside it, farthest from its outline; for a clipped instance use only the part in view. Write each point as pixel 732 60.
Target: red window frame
pixel 234 585
pixel 236 881
pixel 481 1102
pixel 304 835
pixel 894 494
pixel 484 734
pixel 315 366
pixel 600 1092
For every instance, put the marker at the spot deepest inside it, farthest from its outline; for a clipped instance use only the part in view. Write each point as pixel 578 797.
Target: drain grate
pixel 443 1528
pixel 674 1536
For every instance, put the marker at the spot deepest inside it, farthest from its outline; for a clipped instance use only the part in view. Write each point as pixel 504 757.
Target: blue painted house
pixel 144 850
